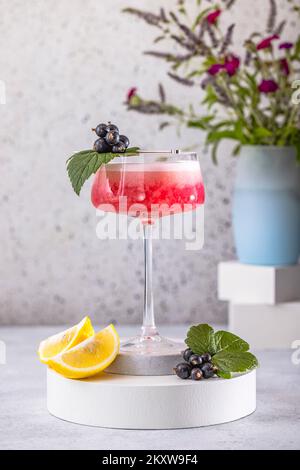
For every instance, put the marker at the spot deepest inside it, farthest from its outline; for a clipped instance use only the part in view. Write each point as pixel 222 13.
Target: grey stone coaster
pixel 143 364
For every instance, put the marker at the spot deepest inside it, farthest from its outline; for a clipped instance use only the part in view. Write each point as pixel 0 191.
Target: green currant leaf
pixel 82 165
pixel 226 341
pixel 223 375
pixel 200 339
pixel 234 361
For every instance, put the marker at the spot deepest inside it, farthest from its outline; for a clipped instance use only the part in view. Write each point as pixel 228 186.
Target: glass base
pixel 153 344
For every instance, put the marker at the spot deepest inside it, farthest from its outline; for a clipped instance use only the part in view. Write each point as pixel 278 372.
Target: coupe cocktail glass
pixel 148 186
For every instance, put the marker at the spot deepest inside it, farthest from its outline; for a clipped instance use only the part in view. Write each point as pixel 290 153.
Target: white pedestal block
pixel 266 326
pixel 247 284
pixel 150 402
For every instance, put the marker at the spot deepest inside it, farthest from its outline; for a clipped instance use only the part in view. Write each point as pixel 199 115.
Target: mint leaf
pixel 226 341
pixel 82 165
pixel 200 339
pixel 234 361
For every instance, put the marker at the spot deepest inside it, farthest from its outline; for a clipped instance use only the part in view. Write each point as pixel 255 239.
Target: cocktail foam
pixel 177 166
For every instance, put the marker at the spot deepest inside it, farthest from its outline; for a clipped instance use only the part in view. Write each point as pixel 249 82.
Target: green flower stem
pixel 235 106
pixel 290 121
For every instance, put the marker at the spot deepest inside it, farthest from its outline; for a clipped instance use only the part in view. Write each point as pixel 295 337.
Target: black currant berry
pixel 187 354
pixel 183 370
pixel 195 360
pixel 196 374
pixel 209 374
pixel 208 370
pixel 101 146
pixel 112 137
pixel 206 357
pixel 101 130
pixel 119 148
pixel 111 127
pixel 125 140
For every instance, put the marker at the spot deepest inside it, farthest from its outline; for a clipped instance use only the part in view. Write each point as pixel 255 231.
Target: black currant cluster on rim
pixel 195 367
pixel 110 139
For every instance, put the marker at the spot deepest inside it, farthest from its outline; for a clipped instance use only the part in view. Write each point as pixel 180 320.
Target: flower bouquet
pixel 247 96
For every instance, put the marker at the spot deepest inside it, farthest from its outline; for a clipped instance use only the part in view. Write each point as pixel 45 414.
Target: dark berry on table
pixel 196 374
pixel 206 357
pixel 119 148
pixel 187 354
pixel 125 140
pixel 112 137
pixel 207 366
pixel 208 374
pixel 112 127
pixel 183 370
pixel 195 360
pixel 101 130
pixel 101 146
pixel 208 370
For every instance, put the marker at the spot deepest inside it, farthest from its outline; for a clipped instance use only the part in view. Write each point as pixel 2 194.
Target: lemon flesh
pixel 89 357
pixel 65 340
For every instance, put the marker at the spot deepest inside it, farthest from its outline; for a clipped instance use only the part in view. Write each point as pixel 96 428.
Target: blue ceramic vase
pixel 266 206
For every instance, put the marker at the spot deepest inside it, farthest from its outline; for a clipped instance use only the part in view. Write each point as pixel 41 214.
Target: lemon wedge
pixel 65 340
pixel 89 357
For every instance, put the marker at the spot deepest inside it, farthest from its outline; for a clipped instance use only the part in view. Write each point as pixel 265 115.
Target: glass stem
pixel 148 329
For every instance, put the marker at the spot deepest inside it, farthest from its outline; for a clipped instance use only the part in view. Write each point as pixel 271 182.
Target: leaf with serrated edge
pixel 235 361
pixel 200 339
pixel 223 375
pixel 82 165
pixel 226 341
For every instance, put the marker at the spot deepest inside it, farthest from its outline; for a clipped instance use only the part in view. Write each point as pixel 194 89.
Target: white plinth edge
pixel 150 402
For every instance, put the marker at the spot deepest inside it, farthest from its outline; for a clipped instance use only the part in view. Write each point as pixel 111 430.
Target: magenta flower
pixel 213 16
pixel 131 93
pixel 231 65
pixel 286 45
pixel 267 42
pixel 215 68
pixel 268 86
pixel 284 65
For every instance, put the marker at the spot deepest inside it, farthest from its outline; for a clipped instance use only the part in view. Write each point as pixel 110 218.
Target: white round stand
pixel 150 402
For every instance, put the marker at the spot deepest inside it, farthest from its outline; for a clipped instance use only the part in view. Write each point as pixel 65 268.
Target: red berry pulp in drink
pixel 148 190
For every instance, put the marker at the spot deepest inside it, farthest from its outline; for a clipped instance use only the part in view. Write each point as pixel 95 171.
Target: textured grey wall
pixel 67 65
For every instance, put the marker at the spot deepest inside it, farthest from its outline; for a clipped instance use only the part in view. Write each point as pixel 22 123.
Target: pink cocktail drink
pixel 149 185
pixel 149 190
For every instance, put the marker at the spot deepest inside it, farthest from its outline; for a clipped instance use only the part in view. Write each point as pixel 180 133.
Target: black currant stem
pixel 148 329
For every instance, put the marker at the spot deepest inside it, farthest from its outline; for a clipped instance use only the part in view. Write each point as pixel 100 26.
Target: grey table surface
pixel 26 424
